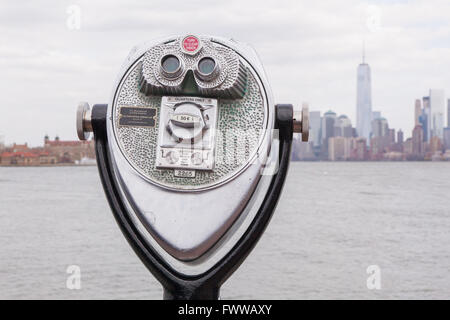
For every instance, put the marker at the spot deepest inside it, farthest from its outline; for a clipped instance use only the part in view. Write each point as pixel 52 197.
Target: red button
pixel 191 43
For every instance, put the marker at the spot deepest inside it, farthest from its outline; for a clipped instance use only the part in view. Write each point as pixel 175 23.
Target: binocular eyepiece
pixel 192 153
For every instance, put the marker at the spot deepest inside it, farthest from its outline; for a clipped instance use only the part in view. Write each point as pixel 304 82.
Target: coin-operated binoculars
pixel 192 154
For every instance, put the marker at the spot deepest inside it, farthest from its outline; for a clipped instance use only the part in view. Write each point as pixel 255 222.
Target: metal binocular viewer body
pixel 192 154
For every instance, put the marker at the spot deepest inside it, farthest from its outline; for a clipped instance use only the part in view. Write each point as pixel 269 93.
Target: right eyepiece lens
pixel 170 63
pixel 206 66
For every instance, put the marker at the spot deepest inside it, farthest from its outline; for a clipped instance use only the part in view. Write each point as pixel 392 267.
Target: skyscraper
pixel 448 113
pixel 2 142
pixel 376 115
pixel 447 138
pixel 437 104
pixel 417 112
pixel 400 136
pixel 363 100
pixel 426 119
pixel 447 130
pixel 380 127
pixel 423 121
pixel 381 139
pixel 392 136
pixel 315 126
pixel 343 127
pixel 328 121
pixel 417 142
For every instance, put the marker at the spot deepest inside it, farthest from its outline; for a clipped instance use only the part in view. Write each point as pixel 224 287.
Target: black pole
pixel 191 293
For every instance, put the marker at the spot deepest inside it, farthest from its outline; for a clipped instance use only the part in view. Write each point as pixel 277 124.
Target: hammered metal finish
pixel 230 83
pixel 241 125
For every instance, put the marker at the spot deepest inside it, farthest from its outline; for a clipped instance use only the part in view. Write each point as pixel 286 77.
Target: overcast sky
pixel 310 50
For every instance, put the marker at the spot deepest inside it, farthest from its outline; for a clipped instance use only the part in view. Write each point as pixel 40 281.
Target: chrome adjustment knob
pixel 84 125
pixel 301 122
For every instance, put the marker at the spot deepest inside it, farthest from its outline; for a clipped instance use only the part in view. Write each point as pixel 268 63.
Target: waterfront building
pixel 19 158
pixel 360 152
pixel 446 155
pixel 381 138
pixel 19 148
pixel 391 136
pixel 376 115
pixel 53 152
pixel 30 158
pixel 437 104
pixel 328 121
pixel 2 142
pixel 341 148
pixel 447 138
pixel 378 147
pixel 395 146
pixel 407 147
pixel 426 121
pixel 393 156
pixel 315 127
pixel 69 151
pixel 336 148
pixel 448 113
pixel 436 146
pixel 417 111
pixel 343 127
pixel 417 142
pixel 400 136
pixel 380 127
pixel 303 151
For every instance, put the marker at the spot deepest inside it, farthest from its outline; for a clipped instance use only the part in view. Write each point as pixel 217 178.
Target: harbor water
pixel 333 221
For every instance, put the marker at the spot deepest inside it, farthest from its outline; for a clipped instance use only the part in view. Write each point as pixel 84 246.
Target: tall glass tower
pixel 437 103
pixel 363 101
pixel 448 113
pixel 315 126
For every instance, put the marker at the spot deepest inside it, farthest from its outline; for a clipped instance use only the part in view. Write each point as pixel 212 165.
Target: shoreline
pixel 375 161
pixel 296 161
pixel 48 165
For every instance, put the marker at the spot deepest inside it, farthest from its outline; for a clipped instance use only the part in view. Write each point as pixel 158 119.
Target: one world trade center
pixel 364 101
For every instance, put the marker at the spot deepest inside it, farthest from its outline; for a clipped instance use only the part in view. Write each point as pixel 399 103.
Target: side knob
pixel 84 126
pixel 301 122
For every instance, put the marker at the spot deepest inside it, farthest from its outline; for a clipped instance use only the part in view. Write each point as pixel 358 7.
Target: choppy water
pixel 333 221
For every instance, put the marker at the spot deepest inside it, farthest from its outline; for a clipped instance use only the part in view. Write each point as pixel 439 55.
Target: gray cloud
pixel 310 51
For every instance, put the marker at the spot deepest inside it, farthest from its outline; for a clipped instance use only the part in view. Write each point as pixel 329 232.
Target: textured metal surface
pixel 229 83
pixel 178 286
pixel 240 125
pixel 192 231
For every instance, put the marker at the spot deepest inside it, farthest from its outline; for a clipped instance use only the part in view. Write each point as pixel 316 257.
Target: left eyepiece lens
pixel 170 64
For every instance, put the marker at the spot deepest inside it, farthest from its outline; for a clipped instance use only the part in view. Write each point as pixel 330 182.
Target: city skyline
pixel 312 59
pixel 434 123
pixel 334 138
pixel 431 112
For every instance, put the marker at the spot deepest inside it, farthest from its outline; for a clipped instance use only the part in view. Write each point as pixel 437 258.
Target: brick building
pixel 53 152
pixel 69 151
